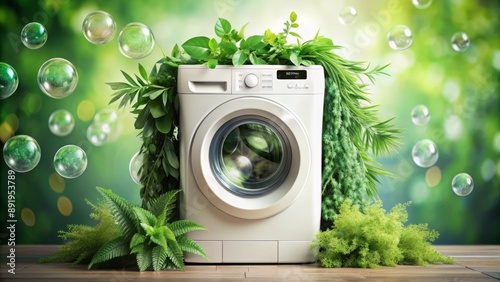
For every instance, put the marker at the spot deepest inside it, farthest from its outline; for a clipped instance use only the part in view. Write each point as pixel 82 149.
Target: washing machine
pixel 250 160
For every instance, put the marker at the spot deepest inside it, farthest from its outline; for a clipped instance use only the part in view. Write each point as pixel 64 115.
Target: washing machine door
pixel 250 157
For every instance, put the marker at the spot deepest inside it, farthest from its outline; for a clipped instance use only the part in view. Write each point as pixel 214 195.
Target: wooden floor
pixel 473 263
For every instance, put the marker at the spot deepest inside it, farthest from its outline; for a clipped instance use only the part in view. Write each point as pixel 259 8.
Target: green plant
pixel 353 134
pixel 83 240
pixel 148 234
pixel 375 238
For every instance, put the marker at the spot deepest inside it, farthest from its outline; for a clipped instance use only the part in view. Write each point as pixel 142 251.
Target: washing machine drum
pixel 250 158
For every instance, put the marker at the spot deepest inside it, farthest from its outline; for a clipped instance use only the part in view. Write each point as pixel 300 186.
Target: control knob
pixel 251 80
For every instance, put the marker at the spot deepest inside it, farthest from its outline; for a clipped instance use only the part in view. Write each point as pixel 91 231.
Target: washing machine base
pixel 254 252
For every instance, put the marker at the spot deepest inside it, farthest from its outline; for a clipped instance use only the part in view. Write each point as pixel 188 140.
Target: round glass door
pixel 250 156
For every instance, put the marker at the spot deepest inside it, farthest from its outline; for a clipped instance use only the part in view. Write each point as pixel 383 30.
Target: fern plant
pixel 150 234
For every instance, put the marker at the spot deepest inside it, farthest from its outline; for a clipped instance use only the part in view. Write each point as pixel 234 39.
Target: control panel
pixel 274 80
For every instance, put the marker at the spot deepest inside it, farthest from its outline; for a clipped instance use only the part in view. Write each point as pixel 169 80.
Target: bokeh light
pixel 28 217
pixel 56 183
pixel 85 110
pixel 64 206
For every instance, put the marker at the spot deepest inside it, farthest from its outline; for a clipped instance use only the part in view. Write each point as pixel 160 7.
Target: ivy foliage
pixel 375 238
pixel 353 134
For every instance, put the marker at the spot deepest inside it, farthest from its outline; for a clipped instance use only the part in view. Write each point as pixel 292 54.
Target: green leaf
pixel 143 259
pixel 175 254
pixel 293 17
pixel 142 117
pixel 212 44
pixel 181 227
pixel 129 79
pixel 164 124
pixel 147 228
pixel 256 60
pixel 144 216
pixel 143 72
pixel 157 109
pixel 228 47
pixel 241 33
pixel 295 59
pixel 197 47
pixel 295 34
pixel 172 159
pixel 159 256
pixel 165 201
pixel 113 249
pixel 189 245
pixel 137 239
pixel 119 85
pixel 239 58
pixel 153 95
pixel 222 27
pixel 253 41
pixel 212 63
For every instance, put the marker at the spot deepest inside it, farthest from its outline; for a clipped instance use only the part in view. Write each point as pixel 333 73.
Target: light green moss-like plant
pixel 375 238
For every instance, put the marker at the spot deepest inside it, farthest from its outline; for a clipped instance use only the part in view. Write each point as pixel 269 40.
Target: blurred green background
pixel 460 89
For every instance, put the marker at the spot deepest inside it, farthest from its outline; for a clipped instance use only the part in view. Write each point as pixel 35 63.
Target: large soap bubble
pixel 135 166
pixel 99 27
pixel 399 37
pixel 347 15
pixel 460 41
pixel 136 41
pixel 107 119
pixel 462 184
pixel 8 80
pixel 61 123
pixel 70 161
pixel 97 134
pixel 420 115
pixel 425 153
pixel 22 153
pixel 422 4
pixel 57 78
pixel 34 35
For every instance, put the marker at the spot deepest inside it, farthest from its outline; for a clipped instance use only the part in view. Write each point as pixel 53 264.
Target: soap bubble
pixel 136 41
pixel 460 41
pixel 420 115
pixel 70 161
pixel 135 166
pixel 61 123
pixel 99 27
pixel 462 184
pixel 57 78
pixel 425 153
pixel 422 4
pixel 347 15
pixel 399 37
pixel 96 134
pixel 22 153
pixel 34 35
pixel 8 80
pixel 107 119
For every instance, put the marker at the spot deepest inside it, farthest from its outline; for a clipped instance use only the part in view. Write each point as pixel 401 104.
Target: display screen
pixel 292 74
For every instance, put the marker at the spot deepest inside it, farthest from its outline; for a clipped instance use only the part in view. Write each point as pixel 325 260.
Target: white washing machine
pixel 250 150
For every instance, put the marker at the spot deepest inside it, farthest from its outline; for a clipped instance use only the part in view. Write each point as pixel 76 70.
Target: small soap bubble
pixel 462 184
pixel 135 166
pixel 422 4
pixel 420 115
pixel 61 123
pixel 107 118
pixel 347 15
pixel 70 161
pixel 460 41
pixel 425 153
pixel 57 78
pixel 136 41
pixel 8 80
pixel 99 27
pixel 96 134
pixel 399 37
pixel 22 153
pixel 34 35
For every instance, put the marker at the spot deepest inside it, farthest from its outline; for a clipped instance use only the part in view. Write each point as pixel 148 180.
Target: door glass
pixel 250 156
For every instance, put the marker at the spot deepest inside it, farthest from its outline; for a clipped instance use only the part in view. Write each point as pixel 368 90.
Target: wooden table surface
pixel 473 263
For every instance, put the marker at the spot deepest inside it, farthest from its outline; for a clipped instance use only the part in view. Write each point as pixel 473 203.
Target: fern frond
pixel 113 249
pixel 175 254
pixel 164 203
pixel 143 259
pixel 180 227
pixel 137 239
pixel 159 256
pixel 144 216
pixel 189 245
pixel 122 211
